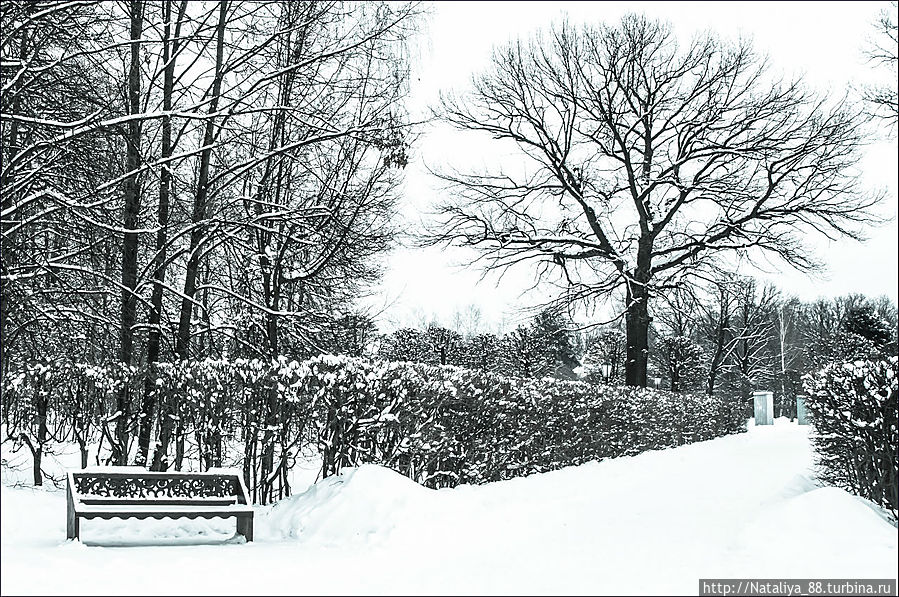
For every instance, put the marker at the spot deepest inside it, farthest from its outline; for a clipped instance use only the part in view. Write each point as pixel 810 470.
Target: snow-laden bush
pixel 45 402
pixel 444 426
pixel 439 425
pixel 853 407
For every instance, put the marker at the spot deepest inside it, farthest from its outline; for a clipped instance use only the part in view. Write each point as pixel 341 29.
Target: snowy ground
pixel 740 506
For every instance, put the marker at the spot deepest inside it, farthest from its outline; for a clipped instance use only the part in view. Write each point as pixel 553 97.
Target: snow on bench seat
pixel 140 511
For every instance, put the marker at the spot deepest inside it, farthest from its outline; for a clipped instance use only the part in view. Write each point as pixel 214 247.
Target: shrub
pixel 443 426
pixel 439 425
pixel 853 408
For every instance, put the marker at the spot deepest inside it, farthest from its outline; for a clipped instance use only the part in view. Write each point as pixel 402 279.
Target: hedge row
pixel 853 407
pixel 441 426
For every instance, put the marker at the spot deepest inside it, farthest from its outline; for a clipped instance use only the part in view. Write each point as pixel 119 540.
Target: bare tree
pixel 647 163
pixel 883 52
pixel 171 42
pixel 716 315
pixel 132 202
pixel 752 360
pixel 788 350
pixel 681 362
pixel 55 268
pixel 202 189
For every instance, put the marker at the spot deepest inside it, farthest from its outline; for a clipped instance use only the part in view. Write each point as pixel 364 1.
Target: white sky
pixel 822 41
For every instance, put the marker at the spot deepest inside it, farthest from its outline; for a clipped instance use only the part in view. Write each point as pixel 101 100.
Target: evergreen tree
pixel 862 320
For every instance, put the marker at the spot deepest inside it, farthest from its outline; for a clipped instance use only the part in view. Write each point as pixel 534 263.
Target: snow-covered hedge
pixel 853 407
pixel 439 425
pixel 443 426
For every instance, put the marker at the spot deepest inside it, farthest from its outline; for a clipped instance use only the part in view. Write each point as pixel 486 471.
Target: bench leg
pixel 71 518
pixel 72 526
pixel 245 527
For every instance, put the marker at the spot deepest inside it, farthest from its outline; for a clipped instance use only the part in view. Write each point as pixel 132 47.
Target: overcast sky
pixel 821 41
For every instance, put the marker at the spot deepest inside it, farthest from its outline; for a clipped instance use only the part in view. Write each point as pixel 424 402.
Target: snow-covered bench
pixel 134 492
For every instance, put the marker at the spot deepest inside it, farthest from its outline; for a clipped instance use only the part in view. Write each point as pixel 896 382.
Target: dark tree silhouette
pixel 646 162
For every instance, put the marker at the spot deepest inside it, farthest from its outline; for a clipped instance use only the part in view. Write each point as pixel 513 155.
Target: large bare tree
pixel 883 52
pixel 647 162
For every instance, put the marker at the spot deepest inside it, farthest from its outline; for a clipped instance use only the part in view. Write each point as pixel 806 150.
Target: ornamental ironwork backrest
pixel 158 485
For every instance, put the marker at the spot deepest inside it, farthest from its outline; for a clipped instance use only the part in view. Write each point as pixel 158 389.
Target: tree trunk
pixel 197 233
pixel 718 356
pixel 637 317
pixel 37 455
pixel 81 439
pixel 148 411
pixel 637 321
pixel 160 456
pixel 166 429
pixel 637 324
pixel 42 436
pixel 675 378
pixel 202 194
pixel 37 448
pixel 130 240
pixel 179 446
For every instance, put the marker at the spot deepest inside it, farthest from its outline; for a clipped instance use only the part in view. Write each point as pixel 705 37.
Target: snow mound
pixel 360 505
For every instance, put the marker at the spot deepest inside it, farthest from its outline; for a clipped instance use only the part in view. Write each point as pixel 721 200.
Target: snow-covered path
pixel 740 506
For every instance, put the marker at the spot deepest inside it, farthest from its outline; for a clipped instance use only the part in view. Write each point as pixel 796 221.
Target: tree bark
pixel 182 346
pixel 166 429
pixel 179 446
pixel 37 454
pixel 718 355
pixel 131 238
pixel 42 436
pixel 202 194
pixel 637 327
pixel 637 318
pixel 148 412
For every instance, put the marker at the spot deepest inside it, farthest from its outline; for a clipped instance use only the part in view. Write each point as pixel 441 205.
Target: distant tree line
pixel 741 336
pixel 542 347
pixel 731 338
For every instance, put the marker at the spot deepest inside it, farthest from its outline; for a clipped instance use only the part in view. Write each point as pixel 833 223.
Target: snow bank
pixel 800 535
pixel 361 504
pixel 742 506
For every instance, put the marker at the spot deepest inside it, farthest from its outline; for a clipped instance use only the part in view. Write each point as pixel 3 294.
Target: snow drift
pixel 742 506
pixel 359 505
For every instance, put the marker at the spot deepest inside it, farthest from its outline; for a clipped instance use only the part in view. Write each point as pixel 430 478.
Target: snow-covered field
pixel 739 506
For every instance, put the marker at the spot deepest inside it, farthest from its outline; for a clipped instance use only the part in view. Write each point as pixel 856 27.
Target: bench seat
pixel 157 511
pixel 164 501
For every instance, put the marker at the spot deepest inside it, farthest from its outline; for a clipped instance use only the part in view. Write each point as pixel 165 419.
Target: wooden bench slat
pixel 137 509
pixel 114 501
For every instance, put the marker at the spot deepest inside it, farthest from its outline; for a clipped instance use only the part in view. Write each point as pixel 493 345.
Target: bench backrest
pixel 144 484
